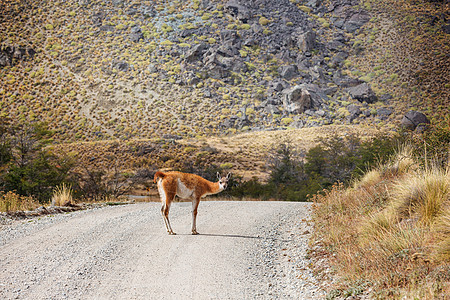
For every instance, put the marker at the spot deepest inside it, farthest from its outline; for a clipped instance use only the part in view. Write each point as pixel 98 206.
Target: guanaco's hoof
pixel 172 233
pixel 194 233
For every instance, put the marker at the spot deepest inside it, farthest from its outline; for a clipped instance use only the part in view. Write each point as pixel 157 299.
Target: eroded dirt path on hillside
pixel 245 250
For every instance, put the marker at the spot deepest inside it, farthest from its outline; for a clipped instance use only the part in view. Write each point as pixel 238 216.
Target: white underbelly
pixel 183 192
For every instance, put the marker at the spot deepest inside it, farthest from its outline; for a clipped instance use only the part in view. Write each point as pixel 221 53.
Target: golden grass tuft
pixel 391 229
pixel 11 201
pixel 402 163
pixel 370 178
pixel 422 196
pixel 441 232
pixel 62 196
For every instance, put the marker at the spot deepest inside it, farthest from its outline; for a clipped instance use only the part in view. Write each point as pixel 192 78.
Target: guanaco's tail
pixel 158 175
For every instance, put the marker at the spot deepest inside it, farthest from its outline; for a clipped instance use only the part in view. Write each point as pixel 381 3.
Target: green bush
pixel 30 169
pixel 264 21
pixel 335 159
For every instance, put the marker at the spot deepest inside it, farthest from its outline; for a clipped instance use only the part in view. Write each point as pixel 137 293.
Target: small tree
pixel 287 179
pixel 285 165
pixel 99 184
pixel 5 143
pixel 32 169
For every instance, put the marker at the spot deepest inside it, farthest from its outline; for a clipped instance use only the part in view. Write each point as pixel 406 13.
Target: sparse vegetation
pixel 401 41
pixel 387 231
pixel 64 68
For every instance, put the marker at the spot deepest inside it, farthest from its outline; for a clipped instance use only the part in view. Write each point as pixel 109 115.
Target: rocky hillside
pixel 143 69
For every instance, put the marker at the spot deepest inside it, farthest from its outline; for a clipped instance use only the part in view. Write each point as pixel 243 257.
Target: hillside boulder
pixel 356 21
pixel 5 60
pixel 136 34
pixel 120 65
pixel 354 112
pixel 288 72
pixel 314 3
pixel 296 100
pixel 414 120
pixel 10 53
pixel 229 37
pixel 384 112
pixel 317 94
pixel 362 93
pixel 346 15
pixel 237 10
pixel 306 41
pixel 195 52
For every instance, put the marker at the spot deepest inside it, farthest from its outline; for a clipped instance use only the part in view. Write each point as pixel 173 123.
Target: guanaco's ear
pixel 218 175
pixel 228 175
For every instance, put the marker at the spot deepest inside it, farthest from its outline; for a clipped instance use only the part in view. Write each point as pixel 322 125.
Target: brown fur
pixel 185 185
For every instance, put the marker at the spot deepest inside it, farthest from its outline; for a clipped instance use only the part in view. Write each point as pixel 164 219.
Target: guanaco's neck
pixel 215 188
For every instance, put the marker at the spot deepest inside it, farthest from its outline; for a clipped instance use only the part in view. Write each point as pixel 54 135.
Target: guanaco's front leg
pixel 195 203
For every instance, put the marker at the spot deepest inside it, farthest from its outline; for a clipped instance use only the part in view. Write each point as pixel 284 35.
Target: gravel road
pixel 245 250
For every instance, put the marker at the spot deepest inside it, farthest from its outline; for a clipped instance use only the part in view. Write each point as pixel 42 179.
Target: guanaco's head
pixel 223 181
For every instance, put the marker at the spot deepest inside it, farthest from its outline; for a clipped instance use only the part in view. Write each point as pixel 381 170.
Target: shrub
pixel 166 28
pixel 245 26
pixel 226 166
pixel 11 201
pixel 286 121
pixel 62 195
pixel 34 170
pixel 441 233
pixel 251 188
pixel 306 9
pixel 390 229
pixel 263 21
pixel 206 16
pixel 423 196
pixel 243 53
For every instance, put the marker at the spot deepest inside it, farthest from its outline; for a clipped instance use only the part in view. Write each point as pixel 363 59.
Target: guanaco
pixel 186 186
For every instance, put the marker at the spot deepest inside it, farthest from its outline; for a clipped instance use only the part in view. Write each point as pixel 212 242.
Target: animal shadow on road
pixel 243 237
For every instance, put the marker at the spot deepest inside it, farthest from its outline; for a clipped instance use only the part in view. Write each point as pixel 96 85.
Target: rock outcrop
pixel 414 120
pixel 296 100
pixel 362 93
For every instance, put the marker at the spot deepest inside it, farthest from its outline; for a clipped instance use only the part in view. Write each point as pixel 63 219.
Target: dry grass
pixel 246 152
pixel 390 230
pixel 11 201
pixel 441 229
pixel 62 196
pixel 423 196
pixel 251 148
pixel 370 178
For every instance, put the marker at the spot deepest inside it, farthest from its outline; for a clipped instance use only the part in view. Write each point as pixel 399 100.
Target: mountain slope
pixel 102 69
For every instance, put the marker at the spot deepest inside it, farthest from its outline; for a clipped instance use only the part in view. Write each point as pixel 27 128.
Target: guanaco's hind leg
pixel 195 203
pixel 166 199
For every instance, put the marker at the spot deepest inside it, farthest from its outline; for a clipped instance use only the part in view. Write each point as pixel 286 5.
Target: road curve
pixel 245 250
